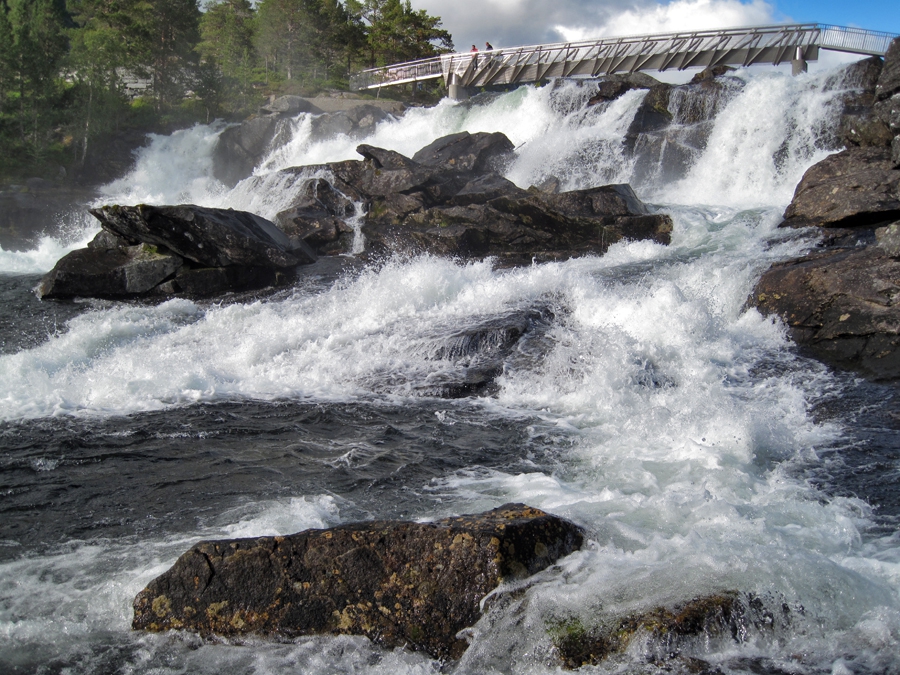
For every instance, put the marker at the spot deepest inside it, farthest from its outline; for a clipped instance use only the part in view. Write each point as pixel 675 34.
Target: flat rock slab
pixel 844 305
pixel 209 237
pixel 399 583
pixel 856 187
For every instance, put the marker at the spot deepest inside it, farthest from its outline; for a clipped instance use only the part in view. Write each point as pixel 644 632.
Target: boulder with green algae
pixel 665 629
pixel 399 583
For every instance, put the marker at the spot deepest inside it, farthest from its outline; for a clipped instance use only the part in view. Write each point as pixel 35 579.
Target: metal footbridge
pixel 774 45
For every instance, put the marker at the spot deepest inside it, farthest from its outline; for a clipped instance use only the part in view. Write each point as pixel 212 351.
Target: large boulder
pixel 319 218
pixel 290 105
pixel 481 152
pixel 524 226
pixel 398 583
pixel 357 122
pixel 843 304
pixel 108 272
pixel 240 148
pixel 856 187
pixel 447 200
pixel 209 237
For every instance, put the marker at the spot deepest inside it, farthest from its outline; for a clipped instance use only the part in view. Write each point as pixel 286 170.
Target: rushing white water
pixel 687 412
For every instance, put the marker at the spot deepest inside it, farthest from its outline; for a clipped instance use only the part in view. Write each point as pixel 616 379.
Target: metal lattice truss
pixel 697 49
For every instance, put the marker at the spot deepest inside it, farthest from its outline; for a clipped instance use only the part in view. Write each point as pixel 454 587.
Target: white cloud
pixel 675 16
pixel 508 23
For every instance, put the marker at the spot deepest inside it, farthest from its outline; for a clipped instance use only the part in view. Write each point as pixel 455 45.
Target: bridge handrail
pixel 826 36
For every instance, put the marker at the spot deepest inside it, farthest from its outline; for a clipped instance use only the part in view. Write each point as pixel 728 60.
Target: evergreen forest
pixel 74 73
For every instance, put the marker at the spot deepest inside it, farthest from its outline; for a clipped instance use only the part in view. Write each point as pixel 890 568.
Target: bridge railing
pixel 465 67
pixel 854 40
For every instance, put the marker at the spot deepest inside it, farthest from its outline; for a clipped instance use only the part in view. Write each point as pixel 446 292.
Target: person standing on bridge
pixel 474 51
pixel 488 47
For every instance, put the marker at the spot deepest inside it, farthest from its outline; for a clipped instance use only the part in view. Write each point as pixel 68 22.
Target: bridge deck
pixel 696 49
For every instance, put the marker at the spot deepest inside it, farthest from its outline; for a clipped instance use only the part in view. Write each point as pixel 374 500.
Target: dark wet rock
pixel 319 218
pixel 550 185
pixel 240 148
pixel 889 80
pixel 209 237
pixel 862 127
pixel 399 583
pixel 205 282
pixel 113 272
pixel 859 77
pixel 151 250
pixel 290 105
pixel 356 122
pixel 525 226
pixel 665 634
pixel 842 304
pixel 653 113
pixel 476 355
pixel 106 240
pixel 483 189
pixel 481 152
pixel 888 111
pixel 711 73
pixel 888 239
pixel 856 187
pixel 610 90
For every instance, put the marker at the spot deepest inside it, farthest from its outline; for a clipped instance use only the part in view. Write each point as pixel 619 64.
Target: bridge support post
pixel 798 64
pixel 457 92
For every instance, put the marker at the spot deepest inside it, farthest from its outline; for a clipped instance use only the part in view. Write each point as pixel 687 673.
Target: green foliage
pixel 66 65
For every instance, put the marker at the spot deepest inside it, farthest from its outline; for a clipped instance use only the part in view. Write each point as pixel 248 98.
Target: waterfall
pixel 635 394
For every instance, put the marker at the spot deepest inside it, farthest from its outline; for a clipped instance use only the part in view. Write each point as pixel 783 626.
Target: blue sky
pixel 507 23
pixel 880 15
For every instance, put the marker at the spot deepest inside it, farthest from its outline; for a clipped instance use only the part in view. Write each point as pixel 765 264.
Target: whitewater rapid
pixel 673 422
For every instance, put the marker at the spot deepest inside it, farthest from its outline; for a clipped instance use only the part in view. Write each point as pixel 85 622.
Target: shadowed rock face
pixel 448 200
pixel 399 583
pixel 211 237
pixel 163 250
pixel 844 305
pixel 856 187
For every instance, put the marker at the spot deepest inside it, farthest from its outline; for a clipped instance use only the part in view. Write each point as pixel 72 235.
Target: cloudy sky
pixel 508 23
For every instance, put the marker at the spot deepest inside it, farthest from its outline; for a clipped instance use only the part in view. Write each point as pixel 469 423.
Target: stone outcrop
pixel 242 147
pixel 144 250
pixel 399 583
pixel 448 200
pixel 853 188
pixel 843 304
pixel 666 632
pixel 841 301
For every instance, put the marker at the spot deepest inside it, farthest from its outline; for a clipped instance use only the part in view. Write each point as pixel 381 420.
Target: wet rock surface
pixel 840 301
pixel 449 200
pixel 665 633
pixel 855 187
pixel 145 250
pixel 842 304
pixel 399 583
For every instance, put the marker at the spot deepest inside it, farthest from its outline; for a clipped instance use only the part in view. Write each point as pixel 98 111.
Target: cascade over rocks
pixel 841 301
pixel 242 147
pixel 448 200
pixel 399 583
